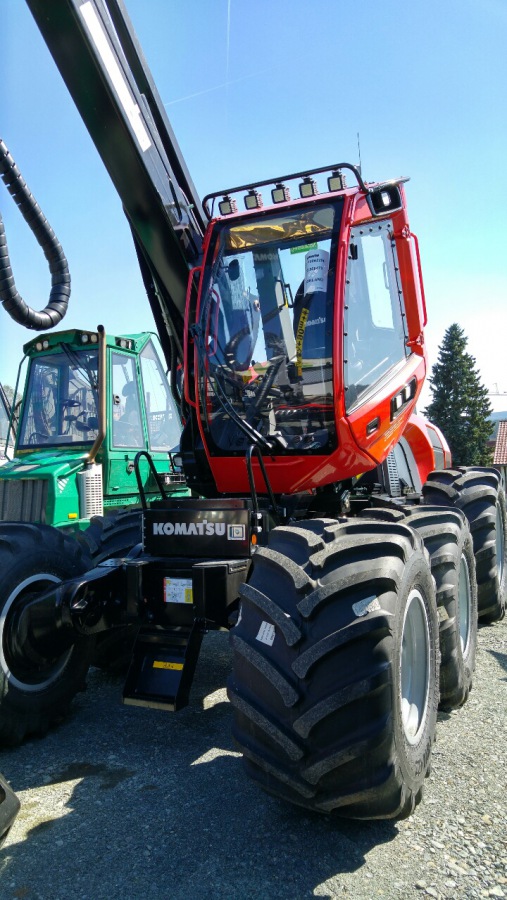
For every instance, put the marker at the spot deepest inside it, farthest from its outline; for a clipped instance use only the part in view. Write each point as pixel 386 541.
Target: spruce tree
pixel 460 405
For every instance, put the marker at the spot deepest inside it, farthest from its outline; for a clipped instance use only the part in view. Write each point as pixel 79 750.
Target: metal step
pixel 162 668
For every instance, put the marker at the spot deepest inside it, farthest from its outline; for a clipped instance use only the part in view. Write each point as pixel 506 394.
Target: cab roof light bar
pixel 55 341
pixel 382 198
pixel 279 182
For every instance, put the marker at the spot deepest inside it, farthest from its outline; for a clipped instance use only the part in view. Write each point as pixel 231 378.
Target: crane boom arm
pixel 97 52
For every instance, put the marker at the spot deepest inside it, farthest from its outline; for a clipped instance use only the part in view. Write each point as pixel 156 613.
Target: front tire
pixel 37 691
pixel 335 668
pixel 479 493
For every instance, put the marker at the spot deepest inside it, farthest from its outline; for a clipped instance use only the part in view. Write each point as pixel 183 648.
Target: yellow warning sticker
pixel 160 664
pixel 178 590
pixel 300 333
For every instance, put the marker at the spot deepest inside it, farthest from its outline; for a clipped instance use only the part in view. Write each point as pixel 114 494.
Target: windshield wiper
pixel 82 366
pixel 221 397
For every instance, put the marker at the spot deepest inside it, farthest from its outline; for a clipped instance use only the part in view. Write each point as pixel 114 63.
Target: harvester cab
pixel 306 338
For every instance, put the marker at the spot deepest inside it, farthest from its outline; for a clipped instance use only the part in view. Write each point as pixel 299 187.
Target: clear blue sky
pixel 255 89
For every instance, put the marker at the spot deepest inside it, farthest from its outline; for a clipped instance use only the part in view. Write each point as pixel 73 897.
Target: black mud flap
pixel 9 808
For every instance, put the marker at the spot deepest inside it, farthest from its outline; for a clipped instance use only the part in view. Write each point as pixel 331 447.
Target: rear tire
pixel 478 492
pixel 335 667
pixel 107 538
pixel 447 539
pixel 37 692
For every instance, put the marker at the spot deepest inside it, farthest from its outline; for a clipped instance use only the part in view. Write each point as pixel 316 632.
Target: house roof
pixel 500 455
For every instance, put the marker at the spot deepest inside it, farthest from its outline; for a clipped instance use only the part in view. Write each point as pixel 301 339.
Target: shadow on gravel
pixel 133 803
pixel 501 659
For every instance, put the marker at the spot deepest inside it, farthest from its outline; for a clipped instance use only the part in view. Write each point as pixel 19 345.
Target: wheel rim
pixel 415 667
pixel 34 676
pixel 464 603
pixel 500 543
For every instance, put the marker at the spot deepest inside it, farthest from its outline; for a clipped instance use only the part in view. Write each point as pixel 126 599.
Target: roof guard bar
pixel 305 174
pixel 366 188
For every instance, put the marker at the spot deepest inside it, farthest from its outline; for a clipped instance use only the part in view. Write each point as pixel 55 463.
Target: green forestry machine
pixel 326 529
pixel 90 402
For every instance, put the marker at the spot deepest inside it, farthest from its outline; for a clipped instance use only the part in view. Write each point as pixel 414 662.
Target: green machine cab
pixel 91 402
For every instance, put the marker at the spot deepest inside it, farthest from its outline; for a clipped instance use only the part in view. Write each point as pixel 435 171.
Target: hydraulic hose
pixel 60 276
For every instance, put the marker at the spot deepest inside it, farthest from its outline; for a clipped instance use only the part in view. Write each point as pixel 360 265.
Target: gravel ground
pixel 131 803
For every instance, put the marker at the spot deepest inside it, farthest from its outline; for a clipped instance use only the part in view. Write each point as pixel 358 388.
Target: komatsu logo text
pixel 234 532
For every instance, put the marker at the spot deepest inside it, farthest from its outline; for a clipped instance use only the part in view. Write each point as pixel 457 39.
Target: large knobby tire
pixel 479 493
pixel 335 667
pixel 107 538
pixel 113 535
pixel 36 692
pixel 446 536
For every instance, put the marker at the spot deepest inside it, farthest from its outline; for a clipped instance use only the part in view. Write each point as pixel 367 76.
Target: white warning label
pixel 369 604
pixel 316 269
pixel 178 590
pixel 266 633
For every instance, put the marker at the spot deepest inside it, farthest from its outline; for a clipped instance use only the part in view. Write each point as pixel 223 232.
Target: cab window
pixel 375 337
pixel 164 427
pixel 127 426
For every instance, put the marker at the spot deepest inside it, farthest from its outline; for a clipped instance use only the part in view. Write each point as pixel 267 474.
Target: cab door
pixel 126 431
pixel 381 376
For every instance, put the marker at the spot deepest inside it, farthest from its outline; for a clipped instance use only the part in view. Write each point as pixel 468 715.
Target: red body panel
pixel 417 435
pixel 379 444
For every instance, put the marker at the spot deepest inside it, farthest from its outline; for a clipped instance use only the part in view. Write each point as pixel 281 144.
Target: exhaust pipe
pixel 102 397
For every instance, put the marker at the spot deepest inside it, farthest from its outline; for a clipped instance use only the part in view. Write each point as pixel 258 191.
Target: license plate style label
pixel 178 590
pixel 213 533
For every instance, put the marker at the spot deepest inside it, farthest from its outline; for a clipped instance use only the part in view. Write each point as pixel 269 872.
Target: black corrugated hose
pixel 60 277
